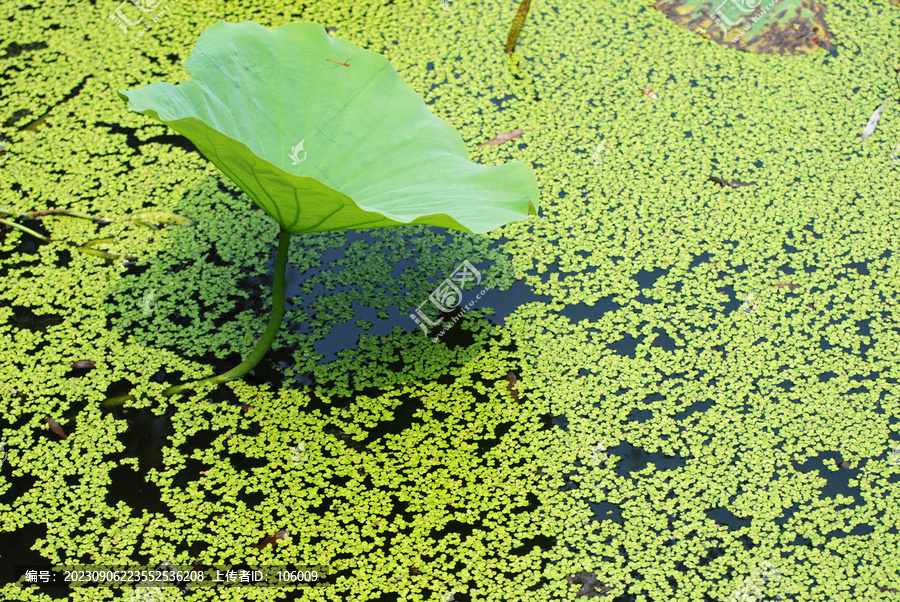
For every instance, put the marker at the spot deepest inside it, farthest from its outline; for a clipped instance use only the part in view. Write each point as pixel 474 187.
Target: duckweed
pixel 723 429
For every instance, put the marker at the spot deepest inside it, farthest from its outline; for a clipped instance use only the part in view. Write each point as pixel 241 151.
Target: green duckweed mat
pixel 697 402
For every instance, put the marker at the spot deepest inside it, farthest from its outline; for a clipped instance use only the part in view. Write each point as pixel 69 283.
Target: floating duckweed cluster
pixel 703 387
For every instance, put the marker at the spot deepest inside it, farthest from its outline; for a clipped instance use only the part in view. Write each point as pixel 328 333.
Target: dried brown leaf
pixel 54 426
pixel 501 138
pixel 272 539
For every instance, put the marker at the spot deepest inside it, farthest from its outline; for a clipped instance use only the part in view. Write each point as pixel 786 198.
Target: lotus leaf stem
pixel 35 214
pixel 516 27
pixel 262 346
pixel 12 224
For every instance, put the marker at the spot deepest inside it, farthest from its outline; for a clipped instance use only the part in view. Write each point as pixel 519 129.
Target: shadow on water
pixel 503 303
pixel 838 483
pixel 627 345
pixel 145 439
pixel 15 545
pixel 342 336
pixel 582 311
pixel 635 459
pixel 548 421
pixel 606 511
pixel 21 541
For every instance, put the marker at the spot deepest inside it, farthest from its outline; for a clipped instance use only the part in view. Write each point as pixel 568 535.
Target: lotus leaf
pixel 762 26
pixel 324 135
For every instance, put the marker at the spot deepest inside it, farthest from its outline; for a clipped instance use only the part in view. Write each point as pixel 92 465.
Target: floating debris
pixel 590 587
pixel 649 92
pixel 794 27
pixel 787 285
pixel 83 364
pixel 54 426
pixel 272 539
pixel 511 385
pixel 501 138
pixel 733 183
pixel 145 219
